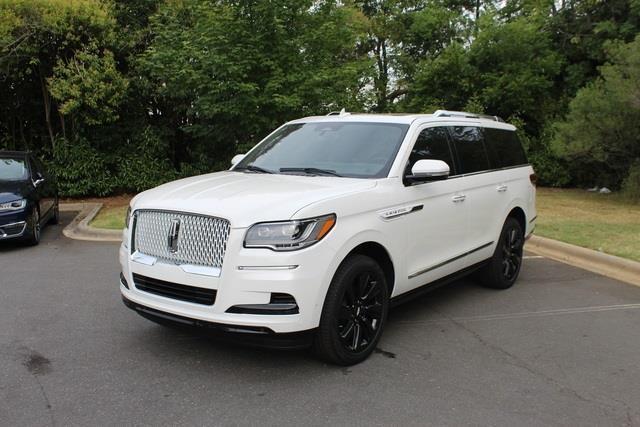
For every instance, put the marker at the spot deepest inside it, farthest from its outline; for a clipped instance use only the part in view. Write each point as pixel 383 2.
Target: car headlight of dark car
pixel 15 205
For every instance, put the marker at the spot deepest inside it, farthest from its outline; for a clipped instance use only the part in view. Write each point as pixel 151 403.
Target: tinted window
pixel 353 149
pixel 469 146
pixel 504 148
pixel 432 143
pixel 12 169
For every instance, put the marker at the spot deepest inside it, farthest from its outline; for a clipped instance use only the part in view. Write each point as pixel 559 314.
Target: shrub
pixel 631 184
pixel 80 169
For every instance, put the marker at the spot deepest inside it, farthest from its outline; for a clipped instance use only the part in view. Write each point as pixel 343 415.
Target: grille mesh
pixel 202 240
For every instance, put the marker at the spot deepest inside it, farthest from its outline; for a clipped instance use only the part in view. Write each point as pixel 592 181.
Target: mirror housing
pixel 237 159
pixel 39 179
pixel 428 170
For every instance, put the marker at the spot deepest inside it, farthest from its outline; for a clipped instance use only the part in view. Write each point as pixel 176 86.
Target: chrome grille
pixel 202 240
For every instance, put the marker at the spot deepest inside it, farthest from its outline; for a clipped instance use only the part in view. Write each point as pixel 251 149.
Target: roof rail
pixel 447 113
pixel 342 112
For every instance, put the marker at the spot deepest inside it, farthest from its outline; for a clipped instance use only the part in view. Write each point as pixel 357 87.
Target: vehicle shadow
pixel 206 348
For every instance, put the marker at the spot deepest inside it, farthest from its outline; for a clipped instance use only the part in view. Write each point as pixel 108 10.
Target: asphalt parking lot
pixel 560 348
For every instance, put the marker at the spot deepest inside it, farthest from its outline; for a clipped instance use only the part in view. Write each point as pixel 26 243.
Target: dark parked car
pixel 28 197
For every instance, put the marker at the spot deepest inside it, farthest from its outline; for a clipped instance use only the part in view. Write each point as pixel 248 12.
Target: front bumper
pixel 249 278
pixel 256 336
pixel 13 224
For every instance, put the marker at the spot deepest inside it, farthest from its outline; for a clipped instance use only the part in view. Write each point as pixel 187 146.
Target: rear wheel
pixel 504 267
pixel 354 312
pixel 33 228
pixel 55 218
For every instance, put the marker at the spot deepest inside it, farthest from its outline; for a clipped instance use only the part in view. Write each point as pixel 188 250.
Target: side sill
pixel 432 286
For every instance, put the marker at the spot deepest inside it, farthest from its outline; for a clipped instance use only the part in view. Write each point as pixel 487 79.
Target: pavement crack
pixel 515 361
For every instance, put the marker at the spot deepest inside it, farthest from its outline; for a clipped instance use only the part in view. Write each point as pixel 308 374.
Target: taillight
pixel 534 179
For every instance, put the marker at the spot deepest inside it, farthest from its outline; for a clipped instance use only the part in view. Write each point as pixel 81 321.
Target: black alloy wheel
pixel 360 313
pixel 502 270
pixel 33 228
pixel 354 312
pixel 512 244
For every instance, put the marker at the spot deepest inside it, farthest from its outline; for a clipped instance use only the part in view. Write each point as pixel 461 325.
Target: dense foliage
pixel 121 96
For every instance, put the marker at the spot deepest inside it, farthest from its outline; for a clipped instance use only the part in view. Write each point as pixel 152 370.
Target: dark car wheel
pixel 55 217
pixel 354 312
pixel 33 228
pixel 504 267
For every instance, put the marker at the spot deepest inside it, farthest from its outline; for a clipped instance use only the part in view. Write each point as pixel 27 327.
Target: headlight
pixel 127 218
pixel 289 235
pixel 13 206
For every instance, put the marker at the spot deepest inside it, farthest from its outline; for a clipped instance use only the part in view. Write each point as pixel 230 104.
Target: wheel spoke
pixel 369 328
pixel 346 331
pixel 505 263
pixel 356 336
pixel 372 291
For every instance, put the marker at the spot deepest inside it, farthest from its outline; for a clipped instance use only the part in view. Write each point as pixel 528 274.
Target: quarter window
pixel 469 146
pixel 432 144
pixel 504 148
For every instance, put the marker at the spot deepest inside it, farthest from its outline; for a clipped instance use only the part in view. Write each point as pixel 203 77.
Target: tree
pixel 35 35
pixel 600 136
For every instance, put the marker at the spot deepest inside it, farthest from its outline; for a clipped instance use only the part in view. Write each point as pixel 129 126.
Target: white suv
pixel 312 234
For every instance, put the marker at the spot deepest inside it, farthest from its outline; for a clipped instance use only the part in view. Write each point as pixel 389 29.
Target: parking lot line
pixel 543 313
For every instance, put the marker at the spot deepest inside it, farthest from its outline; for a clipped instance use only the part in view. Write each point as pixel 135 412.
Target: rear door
pixel 480 189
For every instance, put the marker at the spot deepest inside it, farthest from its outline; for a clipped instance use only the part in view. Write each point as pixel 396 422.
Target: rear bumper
pixel 246 335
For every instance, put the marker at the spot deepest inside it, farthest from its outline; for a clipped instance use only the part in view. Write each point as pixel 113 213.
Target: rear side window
pixel 432 144
pixel 505 149
pixel 469 147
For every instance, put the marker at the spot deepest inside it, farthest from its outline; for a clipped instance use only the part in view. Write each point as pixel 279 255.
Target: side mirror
pixel 428 170
pixel 237 159
pixel 39 179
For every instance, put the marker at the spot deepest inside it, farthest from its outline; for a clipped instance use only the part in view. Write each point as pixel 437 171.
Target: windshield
pixel 13 169
pixel 358 150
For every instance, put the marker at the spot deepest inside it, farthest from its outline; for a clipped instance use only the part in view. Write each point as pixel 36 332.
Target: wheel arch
pixel 378 253
pixel 518 213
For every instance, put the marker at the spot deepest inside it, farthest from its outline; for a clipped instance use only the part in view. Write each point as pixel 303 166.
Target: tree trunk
pixel 46 98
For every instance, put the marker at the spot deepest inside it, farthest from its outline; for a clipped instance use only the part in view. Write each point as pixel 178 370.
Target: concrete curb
pixel 608 265
pixel 80 229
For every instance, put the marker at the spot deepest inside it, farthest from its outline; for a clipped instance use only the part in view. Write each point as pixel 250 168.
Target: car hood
pixel 247 198
pixel 13 190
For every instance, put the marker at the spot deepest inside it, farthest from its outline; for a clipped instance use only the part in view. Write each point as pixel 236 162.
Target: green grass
pixel 110 217
pixel 604 222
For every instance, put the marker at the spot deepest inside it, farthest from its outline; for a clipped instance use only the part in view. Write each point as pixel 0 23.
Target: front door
pixel 437 227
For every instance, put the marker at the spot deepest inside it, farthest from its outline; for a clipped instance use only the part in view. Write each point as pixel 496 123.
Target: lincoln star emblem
pixel 174 231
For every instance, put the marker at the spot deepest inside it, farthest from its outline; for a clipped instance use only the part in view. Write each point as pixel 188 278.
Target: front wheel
pixel 504 267
pixel 33 228
pixel 354 312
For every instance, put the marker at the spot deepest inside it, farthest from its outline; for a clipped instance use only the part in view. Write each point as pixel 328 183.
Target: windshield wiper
pixel 311 171
pixel 254 168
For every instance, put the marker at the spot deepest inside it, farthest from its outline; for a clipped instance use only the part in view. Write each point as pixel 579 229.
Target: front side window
pixel 469 146
pixel 13 169
pixel 349 149
pixel 504 148
pixel 432 144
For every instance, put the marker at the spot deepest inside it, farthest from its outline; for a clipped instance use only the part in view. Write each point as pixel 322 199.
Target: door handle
pixel 501 188
pixel 459 198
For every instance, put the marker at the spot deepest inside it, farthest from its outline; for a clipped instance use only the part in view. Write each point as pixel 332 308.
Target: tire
pixel 55 218
pixel 33 228
pixel 504 267
pixel 354 312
